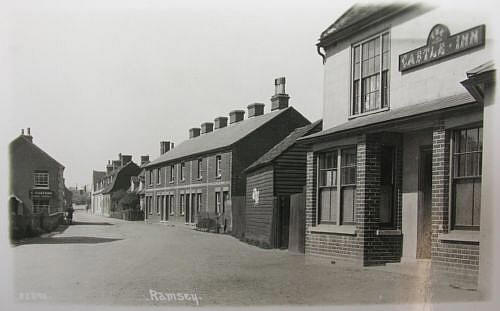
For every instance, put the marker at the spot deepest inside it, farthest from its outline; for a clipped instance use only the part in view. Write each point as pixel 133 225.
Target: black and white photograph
pixel 322 155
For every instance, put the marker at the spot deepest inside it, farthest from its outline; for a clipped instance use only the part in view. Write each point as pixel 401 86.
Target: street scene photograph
pixel 249 154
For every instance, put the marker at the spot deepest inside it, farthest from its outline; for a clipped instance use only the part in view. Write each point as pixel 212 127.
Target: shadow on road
pixel 81 223
pixel 67 240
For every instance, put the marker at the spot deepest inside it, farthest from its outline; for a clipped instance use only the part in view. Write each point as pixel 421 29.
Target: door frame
pixel 420 204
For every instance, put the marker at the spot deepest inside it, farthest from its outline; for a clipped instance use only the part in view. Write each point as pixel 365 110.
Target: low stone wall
pixel 22 226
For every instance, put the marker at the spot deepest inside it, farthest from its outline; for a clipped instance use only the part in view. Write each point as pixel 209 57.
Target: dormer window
pixel 370 75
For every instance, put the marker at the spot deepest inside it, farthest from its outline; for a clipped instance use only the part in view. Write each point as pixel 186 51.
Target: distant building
pixel 271 182
pixel 203 178
pixel 116 178
pixel 37 191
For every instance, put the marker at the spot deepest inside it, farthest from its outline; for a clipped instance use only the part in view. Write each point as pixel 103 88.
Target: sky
pixel 96 78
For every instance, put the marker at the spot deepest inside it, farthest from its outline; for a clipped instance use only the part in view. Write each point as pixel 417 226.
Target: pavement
pixel 105 261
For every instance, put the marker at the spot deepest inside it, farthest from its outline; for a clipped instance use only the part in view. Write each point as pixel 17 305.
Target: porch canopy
pixel 414 117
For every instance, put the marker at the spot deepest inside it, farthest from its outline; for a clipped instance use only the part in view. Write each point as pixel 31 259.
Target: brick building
pixel 396 174
pixel 37 191
pixel 203 177
pixel 105 184
pixel 271 181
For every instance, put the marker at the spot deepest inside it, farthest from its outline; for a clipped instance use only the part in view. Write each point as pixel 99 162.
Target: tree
pixel 129 201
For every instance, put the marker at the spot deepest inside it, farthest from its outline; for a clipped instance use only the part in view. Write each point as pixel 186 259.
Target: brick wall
pixel 455 261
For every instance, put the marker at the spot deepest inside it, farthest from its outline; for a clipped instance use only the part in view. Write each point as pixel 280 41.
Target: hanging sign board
pixel 441 45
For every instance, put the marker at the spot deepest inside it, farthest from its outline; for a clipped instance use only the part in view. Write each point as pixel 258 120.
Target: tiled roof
pixel 117 171
pixel 281 147
pixel 397 114
pixel 218 139
pixel 36 148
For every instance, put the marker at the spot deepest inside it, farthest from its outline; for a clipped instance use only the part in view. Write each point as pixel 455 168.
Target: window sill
pixel 460 236
pixel 346 229
pixel 389 232
pixel 351 117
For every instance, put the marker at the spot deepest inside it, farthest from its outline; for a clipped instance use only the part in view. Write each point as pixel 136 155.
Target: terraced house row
pixel 393 173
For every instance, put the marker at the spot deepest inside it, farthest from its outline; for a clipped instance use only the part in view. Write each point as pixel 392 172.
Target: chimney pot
pixel 22 132
pixel 220 122
pixel 280 98
pixel 255 109
pixel 29 131
pixel 125 159
pixel 207 127
pixel 194 132
pixel 236 116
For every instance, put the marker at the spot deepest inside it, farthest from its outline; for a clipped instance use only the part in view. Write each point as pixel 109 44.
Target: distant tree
pixel 129 201
pixel 118 195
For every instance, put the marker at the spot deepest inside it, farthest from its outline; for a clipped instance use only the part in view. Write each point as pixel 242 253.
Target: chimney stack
pixel 280 98
pixel 236 116
pixel 255 109
pixel 144 159
pixel 116 164
pixel 207 127
pixel 220 122
pixel 165 146
pixel 126 159
pixel 194 132
pixel 109 167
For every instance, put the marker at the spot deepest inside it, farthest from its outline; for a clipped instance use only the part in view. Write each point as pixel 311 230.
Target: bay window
pixel 337 191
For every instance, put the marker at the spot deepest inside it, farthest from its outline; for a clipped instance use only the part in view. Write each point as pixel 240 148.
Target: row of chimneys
pixel 278 101
pixel 122 160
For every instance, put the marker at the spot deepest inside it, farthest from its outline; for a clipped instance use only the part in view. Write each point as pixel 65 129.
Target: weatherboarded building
pixel 396 173
pixel 271 181
pixel 203 177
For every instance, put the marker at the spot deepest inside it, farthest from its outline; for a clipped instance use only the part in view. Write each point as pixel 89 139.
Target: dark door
pixel 424 227
pixel 187 208
pixel 193 206
pixel 297 223
pixel 284 221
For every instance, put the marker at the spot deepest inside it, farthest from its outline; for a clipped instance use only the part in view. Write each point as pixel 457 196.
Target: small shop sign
pixel 40 194
pixel 441 45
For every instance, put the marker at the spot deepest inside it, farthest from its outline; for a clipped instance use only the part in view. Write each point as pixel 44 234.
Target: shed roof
pixel 397 114
pixel 218 139
pixel 284 145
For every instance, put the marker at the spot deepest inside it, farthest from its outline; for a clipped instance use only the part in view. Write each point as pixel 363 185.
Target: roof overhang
pixel 478 79
pixel 424 113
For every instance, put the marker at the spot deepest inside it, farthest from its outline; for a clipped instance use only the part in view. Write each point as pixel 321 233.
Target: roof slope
pixel 396 114
pixel 23 139
pixel 284 145
pixel 116 172
pixel 218 139
pixel 358 16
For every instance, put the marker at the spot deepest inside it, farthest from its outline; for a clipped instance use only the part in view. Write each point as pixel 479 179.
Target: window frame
pixel 158 176
pixel 218 166
pixel 199 164
pixel 40 206
pixel 182 202
pixel 172 173
pixel 182 171
pixel 359 44
pixel 453 180
pixel 36 176
pixel 218 204
pixel 338 186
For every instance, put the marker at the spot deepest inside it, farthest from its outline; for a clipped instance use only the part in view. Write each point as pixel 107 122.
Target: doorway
pixel 424 215
pixel 187 208
pixel 283 221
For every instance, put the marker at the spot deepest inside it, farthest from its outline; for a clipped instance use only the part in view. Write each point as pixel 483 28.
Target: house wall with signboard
pixel 411 129
pixel 406 32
